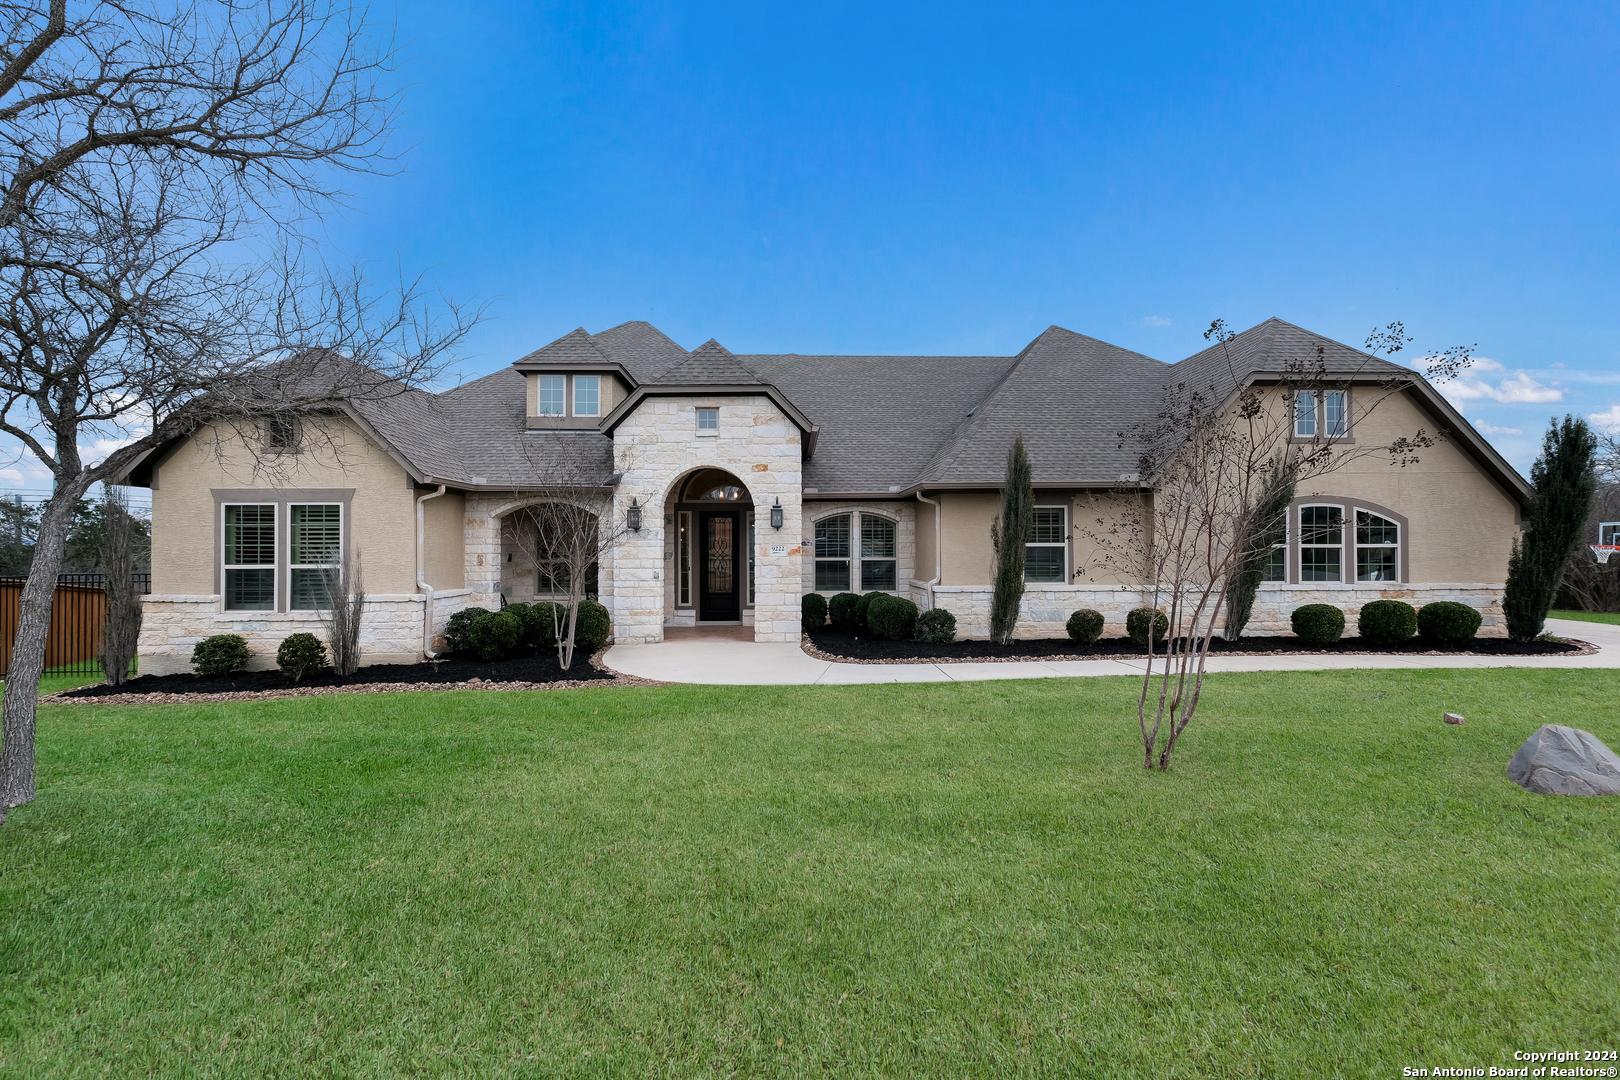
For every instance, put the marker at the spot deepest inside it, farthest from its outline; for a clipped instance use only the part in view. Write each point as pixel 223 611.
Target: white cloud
pixel 1520 388
pixel 1608 419
pixel 1485 363
pixel 1492 429
pixel 1156 320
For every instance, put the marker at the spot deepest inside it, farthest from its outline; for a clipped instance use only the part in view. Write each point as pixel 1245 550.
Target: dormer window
pixel 587 395
pixel 553 395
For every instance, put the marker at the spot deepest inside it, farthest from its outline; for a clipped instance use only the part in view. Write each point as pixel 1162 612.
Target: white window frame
pixel 849 558
pixel 274 566
pixel 1305 414
pixel 683 559
pixel 343 545
pixel 748 529
pixel 1299 523
pixel 1609 534
pixel 1336 428
pixel 1062 544
pixel 562 396
pixel 858 571
pixel 596 408
pixel 714 412
pixel 1355 545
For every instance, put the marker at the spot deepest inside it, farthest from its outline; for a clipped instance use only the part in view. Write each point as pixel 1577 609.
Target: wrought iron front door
pixel 719 599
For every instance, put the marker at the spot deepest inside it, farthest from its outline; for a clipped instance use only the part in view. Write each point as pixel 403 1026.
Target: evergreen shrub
pixel 1318 624
pixel 220 654
pixel 1085 626
pixel 1387 622
pixel 457 632
pixel 1446 622
pixel 1138 621
pixel 892 618
pixel 495 636
pixel 300 655
pixel 842 610
pixel 936 626
pixel 813 611
pixel 593 627
pixel 862 607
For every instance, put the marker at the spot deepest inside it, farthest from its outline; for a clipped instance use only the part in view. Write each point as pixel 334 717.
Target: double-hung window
pixel 1326 413
pixel 250 557
pixel 587 395
pixel 1305 414
pixel 315 547
pixel 553 395
pixel 1335 415
pixel 1046 554
pixel 832 554
pixel 877 553
pixel 1321 543
pixel 1378 548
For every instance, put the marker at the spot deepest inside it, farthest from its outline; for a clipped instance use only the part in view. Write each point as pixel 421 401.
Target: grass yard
pixel 928 880
pixel 1613 618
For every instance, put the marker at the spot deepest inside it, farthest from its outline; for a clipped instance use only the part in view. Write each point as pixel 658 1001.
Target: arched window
pixel 1378 548
pixel 854 548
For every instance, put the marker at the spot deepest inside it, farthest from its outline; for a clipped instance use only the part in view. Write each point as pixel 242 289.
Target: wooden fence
pixel 78 612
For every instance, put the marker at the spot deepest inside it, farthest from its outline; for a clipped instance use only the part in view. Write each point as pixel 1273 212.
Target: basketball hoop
pixel 1603 551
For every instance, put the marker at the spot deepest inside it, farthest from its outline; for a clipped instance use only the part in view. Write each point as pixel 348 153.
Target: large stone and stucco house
pixel 757 478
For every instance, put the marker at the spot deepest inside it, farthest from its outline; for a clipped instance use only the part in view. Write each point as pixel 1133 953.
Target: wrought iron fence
pixel 78 612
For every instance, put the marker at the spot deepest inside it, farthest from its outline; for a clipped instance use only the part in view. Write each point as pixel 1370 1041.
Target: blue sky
pixel 928 178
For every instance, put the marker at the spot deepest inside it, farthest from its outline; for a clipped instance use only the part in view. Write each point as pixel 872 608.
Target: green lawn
pixel 1587 616
pixel 936 880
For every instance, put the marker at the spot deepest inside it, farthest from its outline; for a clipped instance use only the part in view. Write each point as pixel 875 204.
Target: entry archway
pixel 713 577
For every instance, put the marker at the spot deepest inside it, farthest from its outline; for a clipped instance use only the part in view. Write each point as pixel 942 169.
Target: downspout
pixel 421 572
pixel 939 553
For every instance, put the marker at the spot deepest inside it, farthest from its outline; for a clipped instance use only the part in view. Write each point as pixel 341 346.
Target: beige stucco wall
pixel 444 521
pixel 614 391
pixel 337 455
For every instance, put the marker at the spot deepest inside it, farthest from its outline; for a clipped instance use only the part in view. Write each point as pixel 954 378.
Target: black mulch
pixel 538 667
pixel 855 647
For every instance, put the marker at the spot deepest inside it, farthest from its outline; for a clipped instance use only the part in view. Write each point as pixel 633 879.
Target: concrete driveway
pixel 724 658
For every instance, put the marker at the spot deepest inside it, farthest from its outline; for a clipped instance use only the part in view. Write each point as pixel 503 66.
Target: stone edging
pixel 1585 648
pixel 619 679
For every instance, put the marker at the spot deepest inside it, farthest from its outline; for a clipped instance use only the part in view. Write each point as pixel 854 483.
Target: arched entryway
pixel 710 513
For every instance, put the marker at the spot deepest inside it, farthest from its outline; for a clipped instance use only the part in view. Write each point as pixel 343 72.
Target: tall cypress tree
pixel 1009 535
pixel 1563 484
pixel 1267 528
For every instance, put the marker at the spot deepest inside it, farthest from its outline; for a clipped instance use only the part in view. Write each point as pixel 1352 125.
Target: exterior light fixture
pixel 776 514
pixel 632 517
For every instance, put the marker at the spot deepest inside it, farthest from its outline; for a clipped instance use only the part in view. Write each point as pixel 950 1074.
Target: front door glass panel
pixel 719 567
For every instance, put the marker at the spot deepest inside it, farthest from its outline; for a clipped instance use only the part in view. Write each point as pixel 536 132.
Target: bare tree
pixel 567 530
pixel 157 163
pixel 121 629
pixel 345 604
pixel 1217 460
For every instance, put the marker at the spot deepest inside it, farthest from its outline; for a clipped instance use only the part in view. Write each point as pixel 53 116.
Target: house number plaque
pixel 778 549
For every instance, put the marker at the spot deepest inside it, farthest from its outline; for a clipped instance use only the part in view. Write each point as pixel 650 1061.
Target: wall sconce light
pixel 776 514
pixel 633 517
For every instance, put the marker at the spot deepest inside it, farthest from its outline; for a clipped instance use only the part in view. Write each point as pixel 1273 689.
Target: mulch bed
pixel 853 648
pixel 533 671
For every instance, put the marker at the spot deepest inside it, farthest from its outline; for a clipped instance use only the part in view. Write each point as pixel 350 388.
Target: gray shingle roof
pixel 887 423
pixel 574 348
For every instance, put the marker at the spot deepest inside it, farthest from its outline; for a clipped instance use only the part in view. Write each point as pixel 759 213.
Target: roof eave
pixel 809 431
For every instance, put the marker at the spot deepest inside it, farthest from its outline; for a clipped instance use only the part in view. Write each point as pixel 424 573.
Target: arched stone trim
pixel 901 514
pixel 1347 557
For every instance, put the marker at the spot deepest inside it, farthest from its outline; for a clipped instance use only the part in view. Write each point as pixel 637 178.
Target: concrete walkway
pixel 697 657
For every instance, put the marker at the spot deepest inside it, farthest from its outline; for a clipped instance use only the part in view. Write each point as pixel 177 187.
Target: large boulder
pixel 1559 760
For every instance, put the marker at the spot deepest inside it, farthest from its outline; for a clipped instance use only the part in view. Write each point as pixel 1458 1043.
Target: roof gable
pixel 709 364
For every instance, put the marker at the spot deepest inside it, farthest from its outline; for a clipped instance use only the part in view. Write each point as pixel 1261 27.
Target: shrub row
pixel 891 618
pixel 1390 622
pixel 480 632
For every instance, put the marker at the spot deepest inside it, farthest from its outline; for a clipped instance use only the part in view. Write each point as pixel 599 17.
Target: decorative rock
pixel 1559 760
pixel 1453 718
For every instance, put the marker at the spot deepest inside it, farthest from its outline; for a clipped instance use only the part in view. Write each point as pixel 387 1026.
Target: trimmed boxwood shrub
pixel 893 618
pixel 842 610
pixel 862 608
pixel 813 611
pixel 1387 622
pixel 496 635
pixel 936 626
pixel 300 655
pixel 1446 622
pixel 457 631
pixel 220 654
pixel 592 628
pixel 1085 626
pixel 1318 624
pixel 539 630
pixel 1138 621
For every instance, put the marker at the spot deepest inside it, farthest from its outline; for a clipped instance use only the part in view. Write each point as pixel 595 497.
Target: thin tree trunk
pixel 20 701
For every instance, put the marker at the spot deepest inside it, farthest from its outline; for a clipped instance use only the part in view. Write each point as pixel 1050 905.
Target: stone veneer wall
pixel 390 629
pixel 656 448
pixel 1046 608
